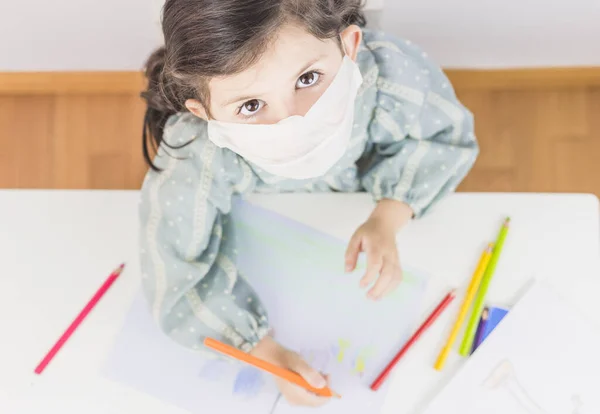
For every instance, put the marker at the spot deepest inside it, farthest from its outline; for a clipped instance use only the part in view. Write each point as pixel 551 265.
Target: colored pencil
pixel 491 317
pixel 480 329
pixel 467 343
pixel 464 309
pixel 82 315
pixel 413 339
pixel 280 372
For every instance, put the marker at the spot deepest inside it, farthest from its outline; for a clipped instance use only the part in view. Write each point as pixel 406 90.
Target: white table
pixel 58 247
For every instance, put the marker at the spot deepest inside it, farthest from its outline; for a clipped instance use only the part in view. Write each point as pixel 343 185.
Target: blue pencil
pixel 481 328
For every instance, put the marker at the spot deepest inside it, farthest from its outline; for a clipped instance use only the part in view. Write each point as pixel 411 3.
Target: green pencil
pixel 467 343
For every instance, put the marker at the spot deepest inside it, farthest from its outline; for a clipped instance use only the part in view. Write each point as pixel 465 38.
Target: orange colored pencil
pixel 280 372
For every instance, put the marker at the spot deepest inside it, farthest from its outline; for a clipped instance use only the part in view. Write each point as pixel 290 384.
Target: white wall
pixel 76 34
pixel 500 33
pixel 119 34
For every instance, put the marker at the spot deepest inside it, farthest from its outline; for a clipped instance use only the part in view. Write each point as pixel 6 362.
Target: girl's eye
pixel 251 107
pixel 308 79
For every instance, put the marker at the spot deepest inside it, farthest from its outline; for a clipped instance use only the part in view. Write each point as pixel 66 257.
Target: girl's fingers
pixel 374 264
pixel 311 375
pixel 352 253
pixel 384 283
pixel 396 279
pixel 299 396
pixel 296 395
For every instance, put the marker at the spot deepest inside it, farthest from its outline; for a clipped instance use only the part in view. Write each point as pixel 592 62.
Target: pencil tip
pixel 119 269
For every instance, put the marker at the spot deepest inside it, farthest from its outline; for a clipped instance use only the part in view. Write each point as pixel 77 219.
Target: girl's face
pixel 287 80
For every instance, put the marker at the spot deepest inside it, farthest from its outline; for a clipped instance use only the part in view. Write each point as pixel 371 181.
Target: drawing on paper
pixel 503 378
pixel 342 346
pixel 248 382
pixel 577 404
pixel 339 340
pixel 360 362
pixel 354 359
pixel 518 371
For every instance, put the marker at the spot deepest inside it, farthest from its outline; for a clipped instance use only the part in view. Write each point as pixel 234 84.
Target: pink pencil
pixel 65 336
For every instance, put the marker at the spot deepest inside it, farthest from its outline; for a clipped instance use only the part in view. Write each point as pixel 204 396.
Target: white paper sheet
pixel 314 308
pixel 541 359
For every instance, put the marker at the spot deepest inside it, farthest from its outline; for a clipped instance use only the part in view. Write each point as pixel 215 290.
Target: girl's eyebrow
pixel 238 99
pixel 309 64
pixel 249 97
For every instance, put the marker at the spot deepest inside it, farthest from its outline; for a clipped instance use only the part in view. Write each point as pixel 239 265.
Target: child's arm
pixel 421 138
pixel 187 255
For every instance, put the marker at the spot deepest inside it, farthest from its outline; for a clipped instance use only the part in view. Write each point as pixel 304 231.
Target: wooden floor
pixel 538 140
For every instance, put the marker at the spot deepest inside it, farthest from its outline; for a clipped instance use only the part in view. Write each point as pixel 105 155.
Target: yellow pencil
pixel 464 308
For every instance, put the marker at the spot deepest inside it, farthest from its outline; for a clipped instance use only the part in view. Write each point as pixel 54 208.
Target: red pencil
pixel 65 336
pixel 428 322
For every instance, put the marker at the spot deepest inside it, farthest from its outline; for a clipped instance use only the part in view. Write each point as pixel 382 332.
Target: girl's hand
pixel 377 238
pixel 271 351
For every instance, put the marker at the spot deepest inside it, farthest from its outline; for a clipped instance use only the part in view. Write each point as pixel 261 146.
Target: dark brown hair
pixel 208 38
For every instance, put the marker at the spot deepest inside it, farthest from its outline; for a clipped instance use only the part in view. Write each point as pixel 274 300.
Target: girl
pixel 280 96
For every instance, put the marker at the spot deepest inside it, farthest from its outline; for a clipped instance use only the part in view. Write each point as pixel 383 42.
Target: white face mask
pixel 299 147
